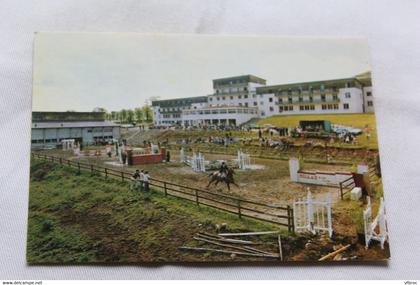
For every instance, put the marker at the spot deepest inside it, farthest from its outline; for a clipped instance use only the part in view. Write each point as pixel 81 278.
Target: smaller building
pixel 50 128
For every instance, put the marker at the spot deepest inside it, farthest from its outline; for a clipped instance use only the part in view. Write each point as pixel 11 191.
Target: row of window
pixel 222 111
pixel 311 99
pixel 310 89
pixel 231 90
pixel 312 107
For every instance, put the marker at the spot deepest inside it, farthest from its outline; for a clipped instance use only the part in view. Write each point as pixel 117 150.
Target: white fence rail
pixel 376 229
pixel 313 215
pixel 244 160
pixel 197 163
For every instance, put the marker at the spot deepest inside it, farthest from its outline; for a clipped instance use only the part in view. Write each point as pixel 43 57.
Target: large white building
pixel 236 100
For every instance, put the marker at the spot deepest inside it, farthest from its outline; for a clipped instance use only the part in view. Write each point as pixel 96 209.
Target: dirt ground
pixel 270 185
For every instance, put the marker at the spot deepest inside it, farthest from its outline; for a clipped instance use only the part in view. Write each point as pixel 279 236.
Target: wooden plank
pixel 244 248
pixel 334 253
pixel 249 234
pixel 280 249
pixel 238 241
pixel 226 251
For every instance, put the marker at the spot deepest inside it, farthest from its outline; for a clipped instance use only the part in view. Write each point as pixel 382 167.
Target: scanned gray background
pixel 393 30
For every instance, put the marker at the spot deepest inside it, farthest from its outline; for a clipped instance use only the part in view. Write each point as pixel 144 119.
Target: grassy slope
pixel 354 120
pixel 78 218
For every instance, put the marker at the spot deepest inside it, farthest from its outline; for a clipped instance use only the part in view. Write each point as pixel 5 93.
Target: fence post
pixel 341 191
pixel 165 189
pixel 91 169
pixel 196 198
pixel 78 167
pixel 122 176
pixel 239 209
pixel 289 220
pixel 68 162
pixel 61 161
pixel 106 173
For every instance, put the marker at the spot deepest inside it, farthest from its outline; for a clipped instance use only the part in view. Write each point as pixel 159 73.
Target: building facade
pixel 50 128
pixel 236 100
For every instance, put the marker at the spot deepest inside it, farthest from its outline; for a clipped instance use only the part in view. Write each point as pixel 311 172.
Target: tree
pixel 123 115
pixel 130 116
pixel 148 113
pixel 139 114
pixel 113 115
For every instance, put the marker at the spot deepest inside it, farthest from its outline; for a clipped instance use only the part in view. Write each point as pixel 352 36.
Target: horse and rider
pixel 225 174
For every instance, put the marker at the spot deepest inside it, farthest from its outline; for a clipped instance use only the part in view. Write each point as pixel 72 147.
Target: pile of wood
pixel 223 244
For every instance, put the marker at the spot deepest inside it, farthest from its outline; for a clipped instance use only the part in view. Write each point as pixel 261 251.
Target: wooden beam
pixel 280 250
pixel 334 253
pixel 227 251
pixel 233 246
pixel 238 241
pixel 249 234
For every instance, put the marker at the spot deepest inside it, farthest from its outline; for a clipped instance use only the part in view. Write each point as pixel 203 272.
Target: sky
pixel 81 71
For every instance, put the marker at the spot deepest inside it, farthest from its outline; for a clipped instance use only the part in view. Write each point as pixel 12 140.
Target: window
pixel 239 97
pixel 329 107
pixel 270 99
pixel 255 103
pixel 370 103
pixel 246 104
pixel 311 98
pixel 323 97
pixel 300 99
pixel 261 103
pixel 368 93
pixel 290 108
pixel 347 95
pixel 312 107
pixel 245 96
pixel 301 108
pixel 346 106
pixel 335 97
pixel 223 98
pixel 306 107
pixel 218 98
pixel 280 100
pixel 281 108
pixel 290 100
pixel 335 106
pixel 271 109
pixel 324 107
pixel 240 104
pixel 231 97
pixel 254 95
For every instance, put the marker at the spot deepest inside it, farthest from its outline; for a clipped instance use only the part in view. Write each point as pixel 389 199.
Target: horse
pixel 220 177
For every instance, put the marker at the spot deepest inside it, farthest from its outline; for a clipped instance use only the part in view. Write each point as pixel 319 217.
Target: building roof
pixel 361 78
pixel 238 79
pixel 67 116
pixel 179 101
pixel 78 124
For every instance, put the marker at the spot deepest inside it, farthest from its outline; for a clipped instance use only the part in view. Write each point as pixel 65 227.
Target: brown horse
pixel 221 177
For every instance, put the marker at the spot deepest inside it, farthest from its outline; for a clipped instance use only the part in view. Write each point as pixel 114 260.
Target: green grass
pixel 81 218
pixel 353 120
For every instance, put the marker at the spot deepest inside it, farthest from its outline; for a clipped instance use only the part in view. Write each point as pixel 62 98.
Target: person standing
pixel 142 180
pixel 134 179
pixel 146 178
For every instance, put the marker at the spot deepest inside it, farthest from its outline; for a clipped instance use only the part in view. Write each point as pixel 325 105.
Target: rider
pixel 223 168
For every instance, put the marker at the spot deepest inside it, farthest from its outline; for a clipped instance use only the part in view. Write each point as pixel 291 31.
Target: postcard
pixel 203 148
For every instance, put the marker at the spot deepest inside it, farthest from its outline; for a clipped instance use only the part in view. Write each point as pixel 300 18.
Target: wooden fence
pixel 346 186
pixel 278 215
